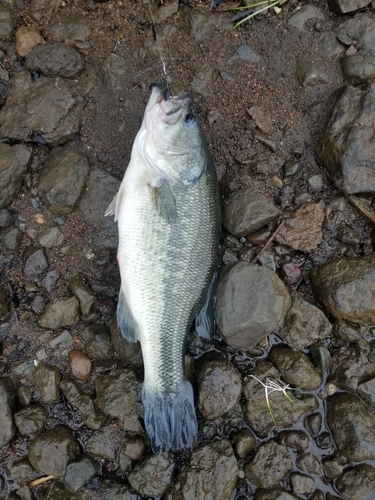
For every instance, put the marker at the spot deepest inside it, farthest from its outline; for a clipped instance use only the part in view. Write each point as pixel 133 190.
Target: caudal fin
pixel 170 418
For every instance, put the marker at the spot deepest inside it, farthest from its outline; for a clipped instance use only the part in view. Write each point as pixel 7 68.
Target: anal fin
pixel 125 320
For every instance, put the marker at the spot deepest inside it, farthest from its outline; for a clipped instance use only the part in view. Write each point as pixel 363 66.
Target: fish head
pixel 173 142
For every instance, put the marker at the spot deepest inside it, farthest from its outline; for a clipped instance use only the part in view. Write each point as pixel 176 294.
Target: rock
pixel 40 9
pixel 7 408
pixel 310 74
pixel 350 366
pixel 309 463
pixel 332 467
pixel 47 379
pixel 219 388
pixel 83 293
pixel 297 440
pixel 14 161
pixel 367 392
pixel 23 472
pixel 119 395
pixel 55 59
pixel 152 476
pixel 133 447
pixel 201 80
pixel 115 68
pixel 290 273
pixel 296 368
pixel 42 111
pixel 316 181
pixel 27 38
pixel 6 22
pixel 344 148
pixel 353 426
pixel 244 53
pixel 257 413
pixel 357 482
pixel 247 211
pixel 79 472
pixel 60 493
pixel 346 288
pixel 103 444
pixel 73 29
pixel 24 395
pixel 302 229
pixel 162 12
pixel 31 419
pixel 301 484
pixel 270 465
pixel 358 68
pixel 130 352
pixel 211 473
pixel 276 493
pixel 63 180
pixel 50 452
pixel 115 490
pixel 330 46
pixel 245 294
pixel 3 302
pixel 347 234
pixel 100 347
pixel 60 313
pixel 80 364
pixel 291 168
pixel 91 416
pixel 306 13
pixel 36 265
pixel 203 25
pixel 12 239
pixel 50 280
pixel 321 357
pixel 243 442
pixel 6 218
pixel 345 6
pixel 304 323
pixel 62 342
pixel 51 237
pixel 262 121
pixel 101 188
pixel 359 30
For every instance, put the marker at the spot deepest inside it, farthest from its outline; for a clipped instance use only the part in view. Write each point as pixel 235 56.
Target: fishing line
pixel 157 38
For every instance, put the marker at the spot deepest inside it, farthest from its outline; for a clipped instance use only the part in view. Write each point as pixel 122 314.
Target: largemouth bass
pixel 167 210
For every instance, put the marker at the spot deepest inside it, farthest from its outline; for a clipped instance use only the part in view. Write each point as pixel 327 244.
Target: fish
pixel 168 214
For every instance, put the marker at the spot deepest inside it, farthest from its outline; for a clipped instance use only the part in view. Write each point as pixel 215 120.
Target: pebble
pixel 338 203
pixel 14 161
pixel 316 181
pixel 153 476
pixel 7 408
pixel 55 59
pixel 62 341
pixel 310 74
pixel 103 444
pixel 243 442
pixel 296 368
pixel 27 38
pixel 244 53
pixel 6 218
pixel 262 121
pixel 47 380
pixel 31 419
pixel 134 447
pixel 270 465
pixel 36 265
pixel 79 472
pixel 12 239
pixel 357 482
pixel 60 313
pixel 80 364
pixel 301 484
pixel 51 237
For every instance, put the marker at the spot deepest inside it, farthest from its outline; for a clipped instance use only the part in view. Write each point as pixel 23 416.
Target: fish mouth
pixel 172 108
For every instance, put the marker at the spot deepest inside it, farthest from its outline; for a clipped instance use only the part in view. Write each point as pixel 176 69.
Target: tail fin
pixel 170 418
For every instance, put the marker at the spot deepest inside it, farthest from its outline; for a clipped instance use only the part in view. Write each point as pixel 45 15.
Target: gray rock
pixel 103 444
pixel 285 414
pixel 296 440
pixel 338 202
pixel 6 218
pixel 316 181
pixel 51 237
pixel 345 6
pixel 358 68
pixel 346 288
pixel 24 395
pixel 59 313
pixel 55 59
pixel 3 302
pixel 202 25
pixel 346 331
pixel 251 303
pixel 119 395
pixel 247 211
pixel 100 347
pixel 91 416
pixel 359 30
pixel 25 493
pixel 310 74
pixel 31 419
pixel 353 426
pixel 23 472
pixel 152 476
pixel 7 23
pixel 26 39
pixel 299 19
pixel 115 67
pixel 211 473
pixel 115 490
pixel 350 366
pixel 357 482
pixel 291 168
pixel 130 352
pixel 24 368
pixel 345 148
pixel 62 342
pixel 162 12
pixel 219 388
pixel 43 8
pixel 14 161
pixel 270 465
pixel 244 53
pixel 45 107
pixel 296 368
pixel 72 28
pixel 63 180
pixel 50 280
pixel 367 392
pixel 307 462
pixel 201 80
pixel 243 442
pixel 262 121
pixel 301 484
pixel 330 46
pixel 304 323
pixel 133 448
pixel 276 493
pixel 61 493
pixel 36 265
pixel 79 472
pixel 50 452
pixel 12 239
pixel 47 379
pixel 101 188
pixel 7 408
pixel 321 357
pixel 83 293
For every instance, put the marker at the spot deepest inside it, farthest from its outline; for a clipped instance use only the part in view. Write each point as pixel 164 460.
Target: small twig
pixel 40 480
pixel 264 248
pixel 367 211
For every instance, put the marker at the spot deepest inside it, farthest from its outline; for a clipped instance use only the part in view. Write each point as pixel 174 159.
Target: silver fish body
pixel 168 220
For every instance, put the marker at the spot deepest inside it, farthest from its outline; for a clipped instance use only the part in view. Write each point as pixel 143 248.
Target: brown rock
pixel 80 364
pixel 26 39
pixel 134 448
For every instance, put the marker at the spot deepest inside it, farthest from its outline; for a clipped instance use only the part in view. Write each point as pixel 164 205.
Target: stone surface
pixel 14 161
pixel 50 452
pixel 26 39
pixel 79 472
pixel 72 28
pixel 251 303
pixel 358 68
pixel 243 442
pixel 276 493
pixel 3 302
pixel 296 440
pixel 6 22
pixel 309 463
pixel 219 388
pixel 12 239
pixel 353 426
pixel 262 121
pixel 116 490
pixel 310 73
pixel 302 229
pixel 367 392
pixel 59 313
pixel 153 476
pixel 350 366
pixel 345 6
pixel 31 419
pixel 247 211
pixel 212 471
pixel 130 352
pixel 63 180
pixel 345 147
pixel 51 237
pixel 133 447
pixel 7 408
pixel 296 368
pixel 301 484
pixel 36 265
pixel 307 12
pixel 83 293
pixel 357 483
pixel 103 444
pixel 23 472
pixel 346 288
pixel 47 379
pixel 244 53
pixel 42 111
pixel 304 323
pixel 79 364
pixel 55 59
pixel 43 9
pixel 270 465
pixel 202 25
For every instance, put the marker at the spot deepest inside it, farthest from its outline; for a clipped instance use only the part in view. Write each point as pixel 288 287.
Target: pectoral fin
pixel 125 320
pixel 114 206
pixel 164 201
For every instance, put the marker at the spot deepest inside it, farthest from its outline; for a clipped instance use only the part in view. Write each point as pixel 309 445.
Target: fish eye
pixel 190 118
